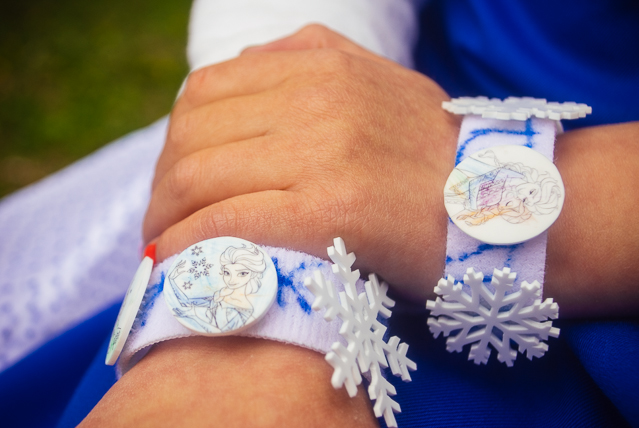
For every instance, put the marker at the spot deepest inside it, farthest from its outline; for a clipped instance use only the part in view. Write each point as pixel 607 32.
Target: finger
pixel 218 123
pixel 274 218
pixel 316 36
pixel 215 174
pixel 259 71
pixel 244 75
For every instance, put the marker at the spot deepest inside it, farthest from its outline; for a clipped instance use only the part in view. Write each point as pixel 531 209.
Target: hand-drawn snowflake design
pixel 187 285
pixel 200 268
pixel 196 251
pixel 366 350
pixel 514 108
pixel 498 318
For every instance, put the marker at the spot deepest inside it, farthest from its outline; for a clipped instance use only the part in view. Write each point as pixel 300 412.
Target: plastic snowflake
pixel 366 351
pixel 516 108
pixel 501 319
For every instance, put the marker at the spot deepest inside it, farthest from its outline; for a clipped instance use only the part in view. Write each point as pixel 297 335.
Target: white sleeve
pixel 220 29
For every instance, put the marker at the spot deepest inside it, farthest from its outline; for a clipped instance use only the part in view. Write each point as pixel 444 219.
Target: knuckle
pixel 219 220
pixel 194 83
pixel 180 130
pixel 336 62
pixel 329 88
pixel 180 180
pixel 315 32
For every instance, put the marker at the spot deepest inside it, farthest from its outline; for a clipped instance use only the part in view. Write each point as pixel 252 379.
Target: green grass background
pixel 76 74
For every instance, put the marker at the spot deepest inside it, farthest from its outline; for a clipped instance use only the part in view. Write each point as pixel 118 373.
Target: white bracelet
pixel 226 285
pixel 501 197
pixel 290 319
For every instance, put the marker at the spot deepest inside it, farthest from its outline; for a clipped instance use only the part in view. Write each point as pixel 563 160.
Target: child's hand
pixel 305 139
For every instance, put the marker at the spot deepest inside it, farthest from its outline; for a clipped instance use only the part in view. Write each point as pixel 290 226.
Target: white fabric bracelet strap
pixel 289 320
pixel 501 197
pixel 462 251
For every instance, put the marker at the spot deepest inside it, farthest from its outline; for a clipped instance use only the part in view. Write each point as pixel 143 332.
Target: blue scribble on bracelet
pixel 528 132
pixel 286 282
pixel 148 301
pixel 482 248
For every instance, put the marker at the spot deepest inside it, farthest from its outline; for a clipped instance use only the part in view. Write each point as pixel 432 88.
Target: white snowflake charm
pixel 499 318
pixel 514 108
pixel 366 351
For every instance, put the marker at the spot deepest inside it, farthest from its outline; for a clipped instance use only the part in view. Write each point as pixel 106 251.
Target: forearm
pixel 230 382
pixel 593 248
pixel 592 267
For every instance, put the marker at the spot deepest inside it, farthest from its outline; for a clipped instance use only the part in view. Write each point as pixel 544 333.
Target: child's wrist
pixel 229 381
pixel 591 247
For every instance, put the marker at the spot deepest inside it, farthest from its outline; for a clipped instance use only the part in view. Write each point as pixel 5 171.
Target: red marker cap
pixel 149 251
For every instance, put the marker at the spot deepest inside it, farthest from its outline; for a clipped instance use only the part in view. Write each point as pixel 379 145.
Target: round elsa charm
pixel 220 286
pixel 504 195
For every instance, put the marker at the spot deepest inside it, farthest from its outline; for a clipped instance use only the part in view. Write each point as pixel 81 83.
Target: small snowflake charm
pixel 366 350
pixel 513 108
pixel 498 318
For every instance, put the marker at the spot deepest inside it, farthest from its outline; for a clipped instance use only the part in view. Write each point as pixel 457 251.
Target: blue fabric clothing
pixel 558 390
pixel 586 52
pixel 36 391
pixel 563 51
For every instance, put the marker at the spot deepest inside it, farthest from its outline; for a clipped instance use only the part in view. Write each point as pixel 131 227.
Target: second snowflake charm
pixel 481 316
pixel 366 351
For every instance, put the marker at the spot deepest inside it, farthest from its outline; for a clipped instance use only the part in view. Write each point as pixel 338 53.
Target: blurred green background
pixel 76 74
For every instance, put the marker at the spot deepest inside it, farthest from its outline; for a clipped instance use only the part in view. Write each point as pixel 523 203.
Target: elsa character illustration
pixel 192 308
pixel 512 191
pixel 241 269
pixel 229 307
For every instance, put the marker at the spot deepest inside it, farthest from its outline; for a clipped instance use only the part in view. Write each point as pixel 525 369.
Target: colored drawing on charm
pixel 221 285
pixel 504 195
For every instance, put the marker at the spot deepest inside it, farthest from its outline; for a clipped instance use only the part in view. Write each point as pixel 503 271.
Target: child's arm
pixel 230 382
pixel 591 262
pixel 292 146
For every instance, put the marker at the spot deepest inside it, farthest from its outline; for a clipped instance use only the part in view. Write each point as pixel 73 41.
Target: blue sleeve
pixel 586 52
pixel 36 391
